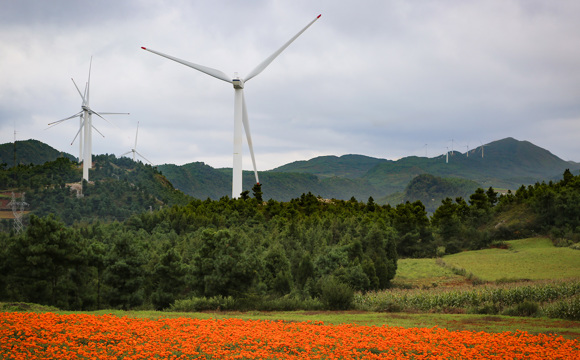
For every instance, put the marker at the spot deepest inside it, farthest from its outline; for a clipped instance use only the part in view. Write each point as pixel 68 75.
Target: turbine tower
pixel 86 126
pixel 134 150
pixel 240 110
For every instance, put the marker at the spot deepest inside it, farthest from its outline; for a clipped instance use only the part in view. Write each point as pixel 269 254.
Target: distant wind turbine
pixel 482 146
pixel 86 126
pixel 240 110
pixel 134 150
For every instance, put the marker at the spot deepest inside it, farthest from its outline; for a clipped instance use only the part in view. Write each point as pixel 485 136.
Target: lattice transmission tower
pixel 18 211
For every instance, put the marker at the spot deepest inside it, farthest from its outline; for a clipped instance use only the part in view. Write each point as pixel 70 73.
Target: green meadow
pixel 527 259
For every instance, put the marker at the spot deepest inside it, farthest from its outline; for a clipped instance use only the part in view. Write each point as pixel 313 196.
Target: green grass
pixel 423 273
pixel 533 259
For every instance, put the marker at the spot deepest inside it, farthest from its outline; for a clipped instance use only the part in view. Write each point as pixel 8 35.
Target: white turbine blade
pixel 246 123
pixel 97 130
pixel 204 69
pixel 78 132
pixel 99 115
pixel 128 152
pixel 88 86
pixel 68 118
pixel 138 153
pixel 136 134
pixel 82 96
pixel 271 58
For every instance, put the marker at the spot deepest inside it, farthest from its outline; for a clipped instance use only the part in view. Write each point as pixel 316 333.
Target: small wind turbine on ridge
pixel 482 146
pixel 240 110
pixel 134 150
pixel 86 126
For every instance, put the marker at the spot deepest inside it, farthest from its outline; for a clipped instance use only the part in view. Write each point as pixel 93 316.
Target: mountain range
pixel 504 164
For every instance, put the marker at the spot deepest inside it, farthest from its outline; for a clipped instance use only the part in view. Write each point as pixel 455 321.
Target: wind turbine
pixel 240 110
pixel 482 146
pixel 86 126
pixel 134 150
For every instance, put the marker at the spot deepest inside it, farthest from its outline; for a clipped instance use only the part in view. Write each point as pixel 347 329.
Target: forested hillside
pixel 431 190
pixel 118 189
pixel 29 152
pixel 249 254
pixel 506 163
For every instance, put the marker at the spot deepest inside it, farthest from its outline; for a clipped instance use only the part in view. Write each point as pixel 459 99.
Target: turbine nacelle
pixel 238 83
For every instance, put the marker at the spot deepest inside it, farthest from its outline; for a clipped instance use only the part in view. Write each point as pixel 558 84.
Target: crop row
pixel 549 296
pixel 81 336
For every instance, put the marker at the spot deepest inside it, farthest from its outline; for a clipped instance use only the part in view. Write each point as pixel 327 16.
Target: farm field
pixel 49 335
pixel 31 331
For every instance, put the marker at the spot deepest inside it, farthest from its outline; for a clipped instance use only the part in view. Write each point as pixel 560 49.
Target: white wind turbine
pixel 86 126
pixel 240 110
pixel 134 150
pixel 482 147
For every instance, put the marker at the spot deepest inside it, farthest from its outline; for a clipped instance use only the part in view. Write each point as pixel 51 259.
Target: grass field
pixel 424 273
pixel 532 259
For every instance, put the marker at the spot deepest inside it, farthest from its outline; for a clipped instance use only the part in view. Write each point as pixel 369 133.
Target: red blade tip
pixel 319 16
pixel 143 47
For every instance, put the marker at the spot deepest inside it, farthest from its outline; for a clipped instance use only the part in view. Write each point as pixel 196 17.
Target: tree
pixel 491 196
pixel 124 275
pixel 220 267
pixel 257 191
pixel 43 263
pixel 168 278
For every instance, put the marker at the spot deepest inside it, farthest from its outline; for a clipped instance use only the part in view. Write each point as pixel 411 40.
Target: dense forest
pixel 146 245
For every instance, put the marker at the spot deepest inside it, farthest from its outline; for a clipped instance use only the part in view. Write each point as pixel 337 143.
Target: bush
pixel 526 308
pixel 568 309
pixel 336 295
pixel 487 308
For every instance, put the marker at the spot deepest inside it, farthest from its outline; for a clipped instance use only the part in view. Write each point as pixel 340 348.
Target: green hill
pixel 119 188
pixel 506 164
pixel 30 152
pixel 348 166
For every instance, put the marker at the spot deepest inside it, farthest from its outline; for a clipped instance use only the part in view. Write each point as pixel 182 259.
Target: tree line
pixel 250 248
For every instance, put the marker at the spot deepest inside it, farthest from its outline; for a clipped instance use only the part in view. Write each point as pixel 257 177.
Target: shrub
pixel 526 308
pixel 336 295
pixel 568 309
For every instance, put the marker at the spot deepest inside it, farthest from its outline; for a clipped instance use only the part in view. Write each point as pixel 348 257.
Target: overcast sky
pixel 381 78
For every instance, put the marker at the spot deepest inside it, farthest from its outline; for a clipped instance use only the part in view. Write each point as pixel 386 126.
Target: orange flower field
pixel 80 336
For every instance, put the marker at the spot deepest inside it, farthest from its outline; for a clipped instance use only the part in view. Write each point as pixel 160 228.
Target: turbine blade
pixel 204 69
pixel 68 118
pixel 78 132
pixel 136 135
pixel 82 96
pixel 97 130
pixel 246 123
pixel 138 153
pixel 88 86
pixel 126 153
pixel 99 115
pixel 271 58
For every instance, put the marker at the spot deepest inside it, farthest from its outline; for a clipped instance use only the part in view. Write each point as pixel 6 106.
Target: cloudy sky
pixel 380 78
